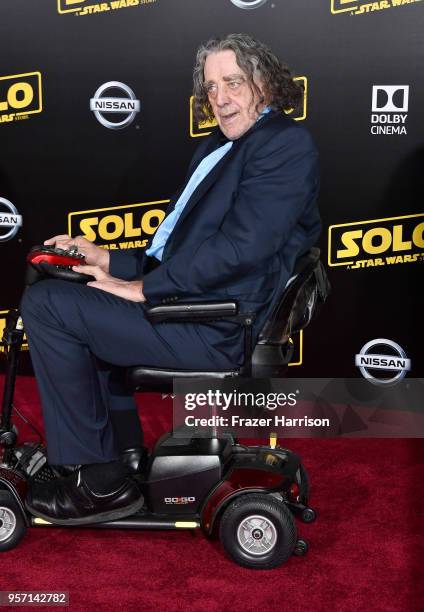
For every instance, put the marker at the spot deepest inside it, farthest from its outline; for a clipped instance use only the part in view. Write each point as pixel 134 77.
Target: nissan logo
pixel 248 4
pixel 127 105
pixel 396 361
pixel 11 220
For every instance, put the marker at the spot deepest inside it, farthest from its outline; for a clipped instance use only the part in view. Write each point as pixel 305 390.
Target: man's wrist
pixel 104 260
pixel 143 297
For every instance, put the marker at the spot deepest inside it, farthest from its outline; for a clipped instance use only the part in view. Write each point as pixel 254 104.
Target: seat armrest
pixel 192 313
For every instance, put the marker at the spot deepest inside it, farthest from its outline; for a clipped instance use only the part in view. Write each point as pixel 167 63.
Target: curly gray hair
pixel 255 59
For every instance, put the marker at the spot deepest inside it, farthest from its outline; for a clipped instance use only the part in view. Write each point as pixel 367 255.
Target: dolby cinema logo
pixel 248 4
pixel 382 362
pixel 115 105
pixel 389 109
pixel 10 220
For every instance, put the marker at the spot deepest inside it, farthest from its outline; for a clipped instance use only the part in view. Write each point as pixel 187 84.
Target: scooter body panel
pixel 182 472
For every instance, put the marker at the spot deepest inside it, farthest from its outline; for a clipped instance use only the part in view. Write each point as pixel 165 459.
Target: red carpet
pixel 366 548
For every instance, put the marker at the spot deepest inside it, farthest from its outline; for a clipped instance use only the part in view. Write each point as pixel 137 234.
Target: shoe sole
pixel 101 517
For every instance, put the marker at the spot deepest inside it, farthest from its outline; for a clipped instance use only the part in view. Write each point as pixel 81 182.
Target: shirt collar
pixel 265 111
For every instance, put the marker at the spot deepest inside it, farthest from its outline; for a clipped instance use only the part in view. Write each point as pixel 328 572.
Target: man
pixel 246 213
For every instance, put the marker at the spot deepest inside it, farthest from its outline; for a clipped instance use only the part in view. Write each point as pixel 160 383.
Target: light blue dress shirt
pixel 206 165
pixel 164 230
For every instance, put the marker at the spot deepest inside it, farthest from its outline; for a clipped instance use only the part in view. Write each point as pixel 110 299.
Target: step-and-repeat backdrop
pixel 70 164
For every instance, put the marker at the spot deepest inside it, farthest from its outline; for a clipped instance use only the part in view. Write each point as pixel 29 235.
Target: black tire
pixel 273 524
pixel 302 479
pixel 308 515
pixel 301 548
pixel 12 522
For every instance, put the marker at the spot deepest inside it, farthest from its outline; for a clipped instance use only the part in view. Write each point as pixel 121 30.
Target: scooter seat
pixel 159 379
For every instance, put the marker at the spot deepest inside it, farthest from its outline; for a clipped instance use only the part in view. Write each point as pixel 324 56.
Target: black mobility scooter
pixel 249 495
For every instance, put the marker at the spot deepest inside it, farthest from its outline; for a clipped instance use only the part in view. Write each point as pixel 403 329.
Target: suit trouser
pixel 75 333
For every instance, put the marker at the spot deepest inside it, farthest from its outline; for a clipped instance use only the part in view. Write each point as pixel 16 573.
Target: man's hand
pixel 94 255
pixel 129 290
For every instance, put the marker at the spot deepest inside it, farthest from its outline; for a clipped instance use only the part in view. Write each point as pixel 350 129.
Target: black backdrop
pixel 61 160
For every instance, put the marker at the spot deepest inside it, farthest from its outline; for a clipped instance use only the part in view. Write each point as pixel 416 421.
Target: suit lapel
pixel 201 152
pixel 206 184
pixel 213 175
pixel 199 192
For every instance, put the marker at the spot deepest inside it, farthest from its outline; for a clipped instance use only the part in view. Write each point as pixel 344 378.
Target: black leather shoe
pixel 62 471
pixel 70 501
pixel 135 459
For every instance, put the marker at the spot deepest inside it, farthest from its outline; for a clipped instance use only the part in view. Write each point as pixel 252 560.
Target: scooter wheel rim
pixel 7 523
pixel 257 535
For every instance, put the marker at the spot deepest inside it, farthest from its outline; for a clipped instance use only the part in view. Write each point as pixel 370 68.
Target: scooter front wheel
pixel 258 531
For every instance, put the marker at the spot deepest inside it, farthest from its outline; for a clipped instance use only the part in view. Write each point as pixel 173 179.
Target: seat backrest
pixel 307 289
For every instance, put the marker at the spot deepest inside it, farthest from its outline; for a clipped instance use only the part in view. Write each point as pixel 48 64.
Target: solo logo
pixel 374 359
pixel 3 315
pixel 20 96
pixel 249 4
pixel 361 7
pixel 119 227
pixel 87 7
pixel 123 108
pixel 204 128
pixel 379 242
pixel 389 109
pixel 10 220
pixel 297 346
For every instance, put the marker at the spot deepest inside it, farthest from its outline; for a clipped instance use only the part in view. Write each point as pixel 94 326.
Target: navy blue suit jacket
pixel 241 231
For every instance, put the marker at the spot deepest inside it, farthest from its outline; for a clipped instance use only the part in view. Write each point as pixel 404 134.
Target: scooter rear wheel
pixel 12 523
